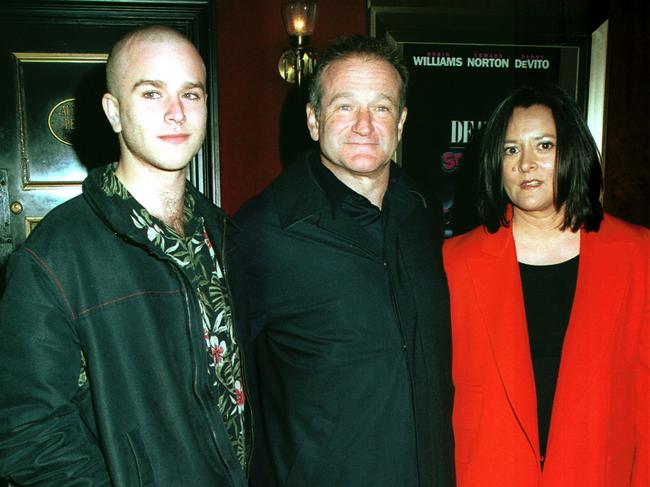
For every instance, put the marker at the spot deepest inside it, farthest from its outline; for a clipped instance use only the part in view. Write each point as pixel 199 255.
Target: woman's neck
pixel 539 240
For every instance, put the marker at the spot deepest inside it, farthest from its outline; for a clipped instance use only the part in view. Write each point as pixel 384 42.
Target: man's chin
pixel 174 161
pixel 367 163
pixel 171 165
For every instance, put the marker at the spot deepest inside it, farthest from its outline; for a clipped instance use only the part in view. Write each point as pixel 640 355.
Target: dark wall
pixel 627 145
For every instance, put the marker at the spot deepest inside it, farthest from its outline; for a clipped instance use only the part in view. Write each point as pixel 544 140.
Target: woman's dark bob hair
pixel 578 175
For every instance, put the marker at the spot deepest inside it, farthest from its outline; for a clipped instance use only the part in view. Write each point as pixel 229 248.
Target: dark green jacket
pixel 352 343
pixel 87 281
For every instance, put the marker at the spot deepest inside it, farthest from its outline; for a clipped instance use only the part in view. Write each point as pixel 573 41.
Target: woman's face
pixel 529 156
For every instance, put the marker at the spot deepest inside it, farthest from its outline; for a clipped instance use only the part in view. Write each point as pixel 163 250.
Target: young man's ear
pixel 312 122
pixel 111 107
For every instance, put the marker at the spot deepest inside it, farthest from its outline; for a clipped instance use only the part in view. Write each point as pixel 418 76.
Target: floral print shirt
pixel 194 254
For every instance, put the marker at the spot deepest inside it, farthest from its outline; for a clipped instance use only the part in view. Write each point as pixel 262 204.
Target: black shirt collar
pixel 338 194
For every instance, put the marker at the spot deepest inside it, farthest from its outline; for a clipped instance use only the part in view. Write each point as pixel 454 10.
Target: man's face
pixel 360 125
pixel 159 108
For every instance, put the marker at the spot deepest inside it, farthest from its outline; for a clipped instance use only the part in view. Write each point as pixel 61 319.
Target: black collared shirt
pixel 345 199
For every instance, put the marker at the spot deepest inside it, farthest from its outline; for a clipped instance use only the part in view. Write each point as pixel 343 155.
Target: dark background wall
pixel 256 106
pixel 627 149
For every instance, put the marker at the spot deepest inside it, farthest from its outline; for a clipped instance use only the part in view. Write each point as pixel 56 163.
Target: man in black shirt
pixel 349 312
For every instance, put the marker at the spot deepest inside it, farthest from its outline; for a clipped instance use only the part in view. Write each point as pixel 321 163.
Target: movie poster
pixel 453 90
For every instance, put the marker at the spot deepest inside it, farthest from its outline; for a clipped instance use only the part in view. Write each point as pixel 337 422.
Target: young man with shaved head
pixel 120 362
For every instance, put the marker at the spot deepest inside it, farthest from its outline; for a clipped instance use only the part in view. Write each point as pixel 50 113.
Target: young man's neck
pixel 161 193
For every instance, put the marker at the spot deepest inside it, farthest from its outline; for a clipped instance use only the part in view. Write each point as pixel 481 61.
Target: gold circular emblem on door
pixel 61 121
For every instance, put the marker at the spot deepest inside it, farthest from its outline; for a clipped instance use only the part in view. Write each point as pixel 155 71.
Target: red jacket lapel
pixel 496 281
pixel 600 289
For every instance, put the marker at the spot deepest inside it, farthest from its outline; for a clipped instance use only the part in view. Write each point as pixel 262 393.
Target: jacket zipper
pixel 186 294
pixel 405 355
pixel 387 271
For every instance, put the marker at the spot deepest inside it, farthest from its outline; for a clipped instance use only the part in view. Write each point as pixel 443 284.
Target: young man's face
pixel 160 105
pixel 360 124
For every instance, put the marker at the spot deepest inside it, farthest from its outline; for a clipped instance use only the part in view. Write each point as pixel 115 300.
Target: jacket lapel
pixel 345 228
pixel 496 281
pixel 299 198
pixel 598 298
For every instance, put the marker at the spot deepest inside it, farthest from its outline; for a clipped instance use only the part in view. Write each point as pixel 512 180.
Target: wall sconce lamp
pixel 298 61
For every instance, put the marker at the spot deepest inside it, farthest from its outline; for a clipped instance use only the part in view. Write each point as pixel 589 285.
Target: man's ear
pixel 312 122
pixel 111 107
pixel 400 124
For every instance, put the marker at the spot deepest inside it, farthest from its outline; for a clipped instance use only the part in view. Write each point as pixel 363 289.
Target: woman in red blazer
pixel 550 303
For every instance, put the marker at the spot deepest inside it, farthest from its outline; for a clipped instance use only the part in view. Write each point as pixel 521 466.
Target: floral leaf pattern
pixel 83 378
pixel 111 185
pixel 195 256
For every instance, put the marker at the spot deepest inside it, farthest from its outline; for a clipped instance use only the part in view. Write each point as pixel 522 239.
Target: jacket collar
pixel 600 292
pixel 109 211
pixel 299 196
pixel 495 276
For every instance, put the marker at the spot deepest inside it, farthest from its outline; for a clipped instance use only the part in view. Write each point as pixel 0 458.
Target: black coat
pixel 88 280
pixel 352 343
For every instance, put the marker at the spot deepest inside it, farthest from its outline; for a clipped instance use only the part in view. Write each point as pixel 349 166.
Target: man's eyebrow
pixel 199 85
pixel 339 96
pixel 153 82
pixel 385 96
pixel 161 84
pixel 381 96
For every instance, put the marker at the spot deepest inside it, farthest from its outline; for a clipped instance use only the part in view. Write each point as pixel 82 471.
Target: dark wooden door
pixel 52 128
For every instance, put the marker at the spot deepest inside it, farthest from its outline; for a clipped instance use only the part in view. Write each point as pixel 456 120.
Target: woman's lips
pixel 531 184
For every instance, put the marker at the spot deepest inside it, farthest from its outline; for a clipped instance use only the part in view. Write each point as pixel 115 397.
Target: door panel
pixel 42 163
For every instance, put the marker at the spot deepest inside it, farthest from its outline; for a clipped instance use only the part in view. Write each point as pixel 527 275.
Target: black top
pixel 548 297
pixel 342 197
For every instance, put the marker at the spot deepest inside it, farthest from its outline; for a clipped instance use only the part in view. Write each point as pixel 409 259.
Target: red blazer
pixel 599 426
